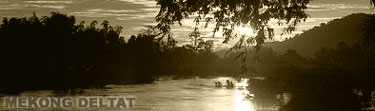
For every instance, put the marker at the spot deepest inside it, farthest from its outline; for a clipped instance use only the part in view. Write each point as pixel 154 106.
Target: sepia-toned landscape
pixel 189 55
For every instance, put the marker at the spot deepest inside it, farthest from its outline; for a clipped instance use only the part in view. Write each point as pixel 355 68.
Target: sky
pixel 133 15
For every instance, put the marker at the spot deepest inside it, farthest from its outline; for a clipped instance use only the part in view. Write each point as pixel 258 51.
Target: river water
pixel 195 94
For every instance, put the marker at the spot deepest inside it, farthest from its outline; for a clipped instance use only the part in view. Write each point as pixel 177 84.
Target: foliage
pixel 229 14
pixel 53 52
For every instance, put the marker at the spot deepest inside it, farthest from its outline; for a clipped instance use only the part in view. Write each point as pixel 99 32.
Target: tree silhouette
pixel 229 14
pixel 53 50
pixel 195 38
pixel 47 52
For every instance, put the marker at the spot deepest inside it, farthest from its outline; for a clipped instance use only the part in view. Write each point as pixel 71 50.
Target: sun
pixel 242 30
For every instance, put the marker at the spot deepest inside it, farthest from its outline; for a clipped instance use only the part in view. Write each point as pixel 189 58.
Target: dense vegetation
pixel 55 52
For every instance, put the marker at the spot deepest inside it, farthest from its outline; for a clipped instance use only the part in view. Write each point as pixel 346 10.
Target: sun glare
pixel 243 30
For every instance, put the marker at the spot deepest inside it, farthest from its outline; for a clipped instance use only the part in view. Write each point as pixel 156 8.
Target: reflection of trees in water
pixel 313 95
pixel 313 98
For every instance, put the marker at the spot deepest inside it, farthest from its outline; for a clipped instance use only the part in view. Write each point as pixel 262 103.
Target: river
pixel 194 94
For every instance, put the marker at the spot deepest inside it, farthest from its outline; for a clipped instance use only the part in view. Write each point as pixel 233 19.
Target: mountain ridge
pixel 349 29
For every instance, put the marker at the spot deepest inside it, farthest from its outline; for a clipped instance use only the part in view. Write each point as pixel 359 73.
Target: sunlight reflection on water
pixel 240 101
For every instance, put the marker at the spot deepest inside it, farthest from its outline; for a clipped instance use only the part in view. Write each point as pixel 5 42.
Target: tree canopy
pixel 229 14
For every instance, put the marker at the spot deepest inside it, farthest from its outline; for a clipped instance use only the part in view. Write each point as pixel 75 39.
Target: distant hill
pixel 349 29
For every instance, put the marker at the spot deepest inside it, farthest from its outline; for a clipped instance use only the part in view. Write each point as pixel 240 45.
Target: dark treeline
pixel 337 79
pixel 55 52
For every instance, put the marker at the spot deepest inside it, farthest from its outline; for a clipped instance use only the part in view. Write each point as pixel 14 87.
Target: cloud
pixel 151 9
pixel 140 16
pixel 145 14
pixel 124 18
pixel 10 7
pixel 139 28
pixel 147 3
pixel 4 2
pixel 110 11
pixel 329 7
pixel 104 13
pixel 48 6
pixel 49 2
pixel 7 5
pixel 120 14
pixel 96 14
pixel 322 19
pixel 16 5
